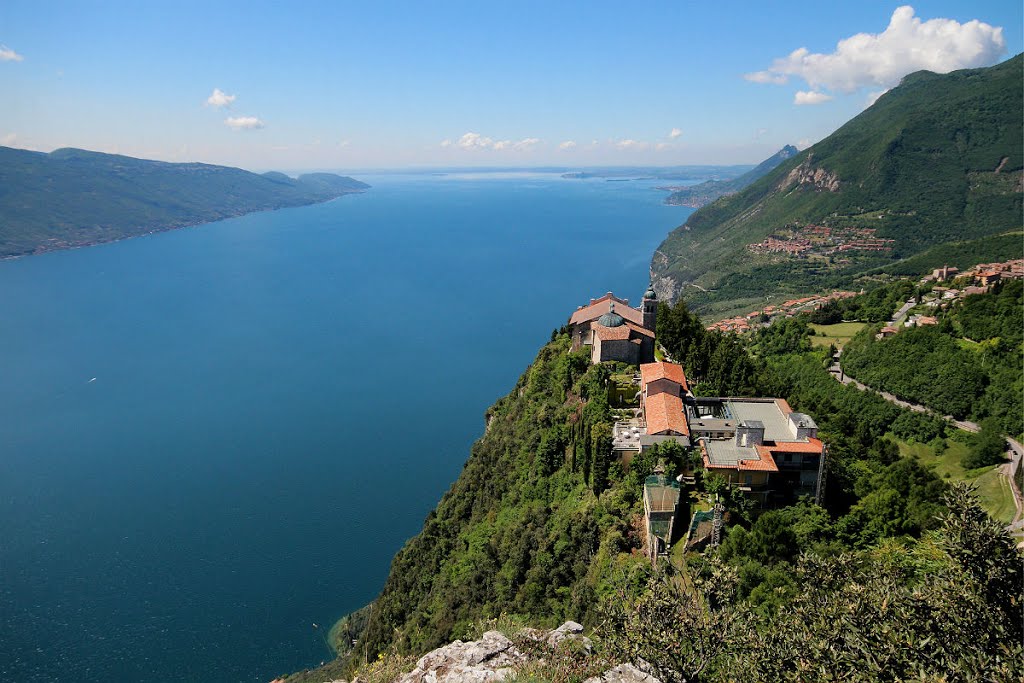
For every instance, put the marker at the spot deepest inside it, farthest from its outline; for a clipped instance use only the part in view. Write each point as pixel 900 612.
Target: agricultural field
pixel 838 334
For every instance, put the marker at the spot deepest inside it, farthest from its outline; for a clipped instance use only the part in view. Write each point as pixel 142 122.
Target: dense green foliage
pixel 716 364
pixel 969 365
pixel 945 607
pixel 937 159
pixel 710 190
pixel 523 529
pixel 72 197
pixel 542 524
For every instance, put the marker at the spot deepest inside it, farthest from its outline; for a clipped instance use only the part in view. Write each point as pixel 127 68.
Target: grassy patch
pixel 992 488
pixel 837 334
pixel 968 345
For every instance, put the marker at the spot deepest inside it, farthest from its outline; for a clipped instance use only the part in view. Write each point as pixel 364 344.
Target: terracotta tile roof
pixel 640 329
pixel 764 462
pixel 606 333
pixel 783 406
pixel 622 332
pixel 651 372
pixel 809 446
pixel 664 412
pixel 601 306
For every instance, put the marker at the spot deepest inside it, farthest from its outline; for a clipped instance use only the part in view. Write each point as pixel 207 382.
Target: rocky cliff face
pixel 807 174
pixel 495 657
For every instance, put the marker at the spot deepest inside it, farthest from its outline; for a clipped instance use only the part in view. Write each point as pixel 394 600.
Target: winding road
pixel 1015 450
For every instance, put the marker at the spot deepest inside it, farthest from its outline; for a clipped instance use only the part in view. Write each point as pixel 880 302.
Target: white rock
pixel 570 631
pixel 486 660
pixel 623 673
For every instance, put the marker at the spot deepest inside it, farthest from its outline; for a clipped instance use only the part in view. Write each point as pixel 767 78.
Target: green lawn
pixel 992 489
pixel 837 334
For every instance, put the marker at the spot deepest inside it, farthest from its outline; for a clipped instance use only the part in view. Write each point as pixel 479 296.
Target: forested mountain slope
pixel 543 525
pixel 938 159
pixel 74 197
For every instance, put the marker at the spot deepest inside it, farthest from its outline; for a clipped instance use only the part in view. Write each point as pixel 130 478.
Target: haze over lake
pixel 215 437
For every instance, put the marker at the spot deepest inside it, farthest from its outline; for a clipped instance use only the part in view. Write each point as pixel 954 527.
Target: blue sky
pixel 336 85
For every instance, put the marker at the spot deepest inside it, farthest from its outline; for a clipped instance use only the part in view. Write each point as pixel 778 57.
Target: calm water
pixel 278 401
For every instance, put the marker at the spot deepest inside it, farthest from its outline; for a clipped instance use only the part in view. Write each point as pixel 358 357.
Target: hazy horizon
pixel 393 86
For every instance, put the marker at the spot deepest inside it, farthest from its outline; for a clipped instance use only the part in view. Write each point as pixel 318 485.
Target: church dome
pixel 611 318
pixel 650 294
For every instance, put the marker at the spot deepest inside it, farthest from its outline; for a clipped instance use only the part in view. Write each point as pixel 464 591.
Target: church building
pixel 614 330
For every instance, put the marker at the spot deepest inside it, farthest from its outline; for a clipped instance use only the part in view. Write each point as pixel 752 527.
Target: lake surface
pixel 213 438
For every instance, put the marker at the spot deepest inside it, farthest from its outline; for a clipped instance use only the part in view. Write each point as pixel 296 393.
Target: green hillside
pixel 542 526
pixel 938 159
pixel 699 195
pixel 73 197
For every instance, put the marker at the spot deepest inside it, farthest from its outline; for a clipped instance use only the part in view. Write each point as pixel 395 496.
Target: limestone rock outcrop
pixel 494 657
pixel 479 661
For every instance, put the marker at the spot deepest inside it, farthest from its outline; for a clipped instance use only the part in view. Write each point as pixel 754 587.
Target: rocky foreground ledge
pixel 495 657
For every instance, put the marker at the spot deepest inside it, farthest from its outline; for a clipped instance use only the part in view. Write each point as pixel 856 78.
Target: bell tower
pixel 649 306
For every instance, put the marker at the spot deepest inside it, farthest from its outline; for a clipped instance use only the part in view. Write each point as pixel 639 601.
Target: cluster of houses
pixel 976 280
pixel 758 445
pixel 764 316
pixel 822 241
pixel 981 275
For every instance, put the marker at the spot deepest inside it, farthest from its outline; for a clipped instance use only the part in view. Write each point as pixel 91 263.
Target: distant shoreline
pixel 44 249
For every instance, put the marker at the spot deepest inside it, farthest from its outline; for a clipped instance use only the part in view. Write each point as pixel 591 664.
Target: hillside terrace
pixel 748 321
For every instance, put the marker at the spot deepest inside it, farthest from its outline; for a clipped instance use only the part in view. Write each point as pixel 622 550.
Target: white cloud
pixel 475 141
pixel 810 97
pixel 8 139
pixel 478 141
pixel 9 55
pixel 804 144
pixel 219 99
pixel 759 133
pixel 244 122
pixel 674 133
pixel 882 59
pixel 567 145
pixel 766 77
pixel 662 146
pixel 631 144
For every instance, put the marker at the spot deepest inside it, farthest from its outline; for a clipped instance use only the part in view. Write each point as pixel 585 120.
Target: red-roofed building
pixel 614 330
pixel 662 376
pixel 988 277
pixel 664 416
pixel 759 445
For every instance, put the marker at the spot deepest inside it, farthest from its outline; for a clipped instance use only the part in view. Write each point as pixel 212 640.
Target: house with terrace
pixel 759 445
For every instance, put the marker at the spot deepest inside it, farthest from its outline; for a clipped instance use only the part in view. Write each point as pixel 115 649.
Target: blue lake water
pixel 278 401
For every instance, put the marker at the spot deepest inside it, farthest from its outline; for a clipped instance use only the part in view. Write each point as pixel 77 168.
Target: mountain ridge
pixel 73 197
pixel 937 159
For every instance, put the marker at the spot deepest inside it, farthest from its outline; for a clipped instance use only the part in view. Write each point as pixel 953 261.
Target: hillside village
pixel 975 280
pixel 759 446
